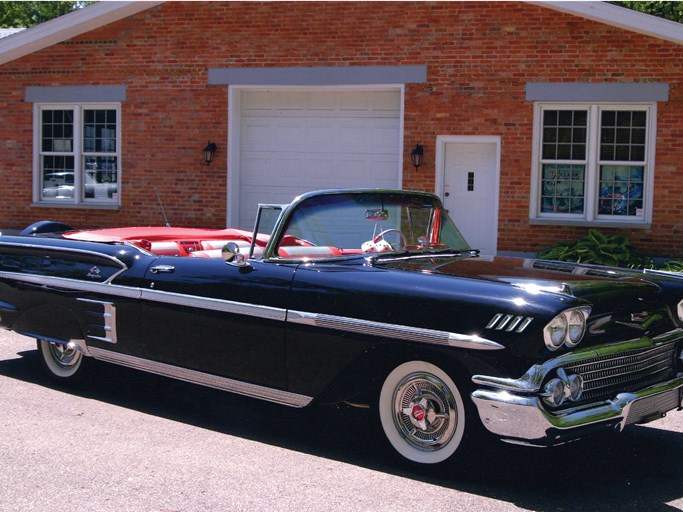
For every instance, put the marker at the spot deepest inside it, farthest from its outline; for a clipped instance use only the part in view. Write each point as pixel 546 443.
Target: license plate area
pixel 653 407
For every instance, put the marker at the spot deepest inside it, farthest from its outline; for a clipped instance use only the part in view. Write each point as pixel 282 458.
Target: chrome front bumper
pixel 514 410
pixel 524 418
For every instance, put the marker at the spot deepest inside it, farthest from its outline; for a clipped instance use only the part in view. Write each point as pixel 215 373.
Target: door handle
pixel 162 269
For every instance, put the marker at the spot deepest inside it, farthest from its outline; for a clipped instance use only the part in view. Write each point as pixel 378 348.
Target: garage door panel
pixel 372 103
pixel 326 171
pixel 324 134
pixel 292 142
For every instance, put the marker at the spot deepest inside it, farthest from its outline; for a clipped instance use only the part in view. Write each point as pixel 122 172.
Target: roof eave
pixel 67 26
pixel 620 17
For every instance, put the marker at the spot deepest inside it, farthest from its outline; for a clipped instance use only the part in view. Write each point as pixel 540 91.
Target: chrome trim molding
pixel 393 331
pixel 225 306
pixel 113 259
pixel 107 320
pixel 510 323
pixel 204 379
pixel 104 287
pixel 385 330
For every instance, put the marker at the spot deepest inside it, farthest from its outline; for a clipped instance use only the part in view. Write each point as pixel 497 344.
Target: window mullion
pixel 78 154
pixel 592 164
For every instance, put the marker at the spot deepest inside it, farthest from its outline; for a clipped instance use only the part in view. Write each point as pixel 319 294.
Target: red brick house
pixel 538 120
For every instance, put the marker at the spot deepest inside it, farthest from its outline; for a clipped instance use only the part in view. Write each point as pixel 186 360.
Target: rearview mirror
pixel 376 215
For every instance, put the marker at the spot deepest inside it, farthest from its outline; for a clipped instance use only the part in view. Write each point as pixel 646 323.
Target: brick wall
pixel 479 56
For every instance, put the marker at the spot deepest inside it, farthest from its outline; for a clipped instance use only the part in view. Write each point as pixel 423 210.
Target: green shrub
pixel 672 266
pixel 598 249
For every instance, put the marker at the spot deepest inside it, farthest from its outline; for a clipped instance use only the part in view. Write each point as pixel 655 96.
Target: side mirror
pixel 231 254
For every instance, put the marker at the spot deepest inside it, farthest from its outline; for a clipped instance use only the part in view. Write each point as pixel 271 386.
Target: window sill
pixel 78 206
pixel 590 223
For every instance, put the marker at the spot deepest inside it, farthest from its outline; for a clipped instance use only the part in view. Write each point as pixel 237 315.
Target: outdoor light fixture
pixel 209 151
pixel 416 156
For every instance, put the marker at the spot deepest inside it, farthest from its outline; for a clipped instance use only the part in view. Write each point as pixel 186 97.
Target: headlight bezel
pixel 566 329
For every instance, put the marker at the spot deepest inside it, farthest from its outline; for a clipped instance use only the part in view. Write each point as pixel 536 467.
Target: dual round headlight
pixel 563 387
pixel 567 328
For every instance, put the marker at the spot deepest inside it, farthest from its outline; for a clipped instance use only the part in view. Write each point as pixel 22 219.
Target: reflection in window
pixel 563 188
pixel 564 134
pixel 78 154
pixel 593 162
pixel 621 190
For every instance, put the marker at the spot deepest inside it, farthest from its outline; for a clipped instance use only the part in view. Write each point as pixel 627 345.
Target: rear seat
pixel 215 247
pixel 310 252
pixel 168 248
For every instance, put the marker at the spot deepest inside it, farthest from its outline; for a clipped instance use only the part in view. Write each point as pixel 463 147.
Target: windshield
pixel 340 224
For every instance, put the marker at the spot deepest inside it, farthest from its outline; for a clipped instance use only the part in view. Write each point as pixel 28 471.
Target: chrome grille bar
pixel 603 375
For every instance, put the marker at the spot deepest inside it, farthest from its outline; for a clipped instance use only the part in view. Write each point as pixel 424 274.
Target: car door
pixel 207 315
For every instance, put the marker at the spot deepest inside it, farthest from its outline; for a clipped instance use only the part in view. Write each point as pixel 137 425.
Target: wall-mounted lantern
pixel 416 156
pixel 209 151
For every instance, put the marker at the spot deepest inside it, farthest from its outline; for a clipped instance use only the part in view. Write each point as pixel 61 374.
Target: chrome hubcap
pixel 63 355
pixel 425 412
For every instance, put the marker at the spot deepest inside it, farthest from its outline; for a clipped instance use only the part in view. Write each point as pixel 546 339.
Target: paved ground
pixel 127 441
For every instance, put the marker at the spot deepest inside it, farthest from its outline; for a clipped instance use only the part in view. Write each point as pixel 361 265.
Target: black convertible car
pixel 368 297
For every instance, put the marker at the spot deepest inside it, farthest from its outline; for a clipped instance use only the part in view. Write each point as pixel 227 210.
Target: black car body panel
pixel 314 310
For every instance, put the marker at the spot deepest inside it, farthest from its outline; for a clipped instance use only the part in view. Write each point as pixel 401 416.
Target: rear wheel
pixel 61 361
pixel 422 412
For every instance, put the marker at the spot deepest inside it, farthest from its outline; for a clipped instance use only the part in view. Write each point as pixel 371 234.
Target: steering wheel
pixel 381 236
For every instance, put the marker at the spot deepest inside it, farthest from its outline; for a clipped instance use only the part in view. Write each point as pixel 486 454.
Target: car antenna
pixel 161 205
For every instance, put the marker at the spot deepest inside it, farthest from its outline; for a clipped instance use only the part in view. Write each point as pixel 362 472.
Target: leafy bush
pixel 599 249
pixel 672 266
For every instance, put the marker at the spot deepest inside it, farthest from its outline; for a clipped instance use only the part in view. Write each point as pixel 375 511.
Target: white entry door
pixel 470 189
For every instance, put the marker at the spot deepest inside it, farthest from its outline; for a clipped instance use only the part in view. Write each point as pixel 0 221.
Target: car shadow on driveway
pixel 639 469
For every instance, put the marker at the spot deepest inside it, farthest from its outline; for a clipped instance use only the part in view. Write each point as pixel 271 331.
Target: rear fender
pixel 50 322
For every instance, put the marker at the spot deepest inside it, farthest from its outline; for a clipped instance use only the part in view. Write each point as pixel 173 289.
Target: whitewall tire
pixel 422 413
pixel 60 360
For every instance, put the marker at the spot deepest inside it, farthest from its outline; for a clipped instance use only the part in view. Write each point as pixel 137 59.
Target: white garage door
pixel 294 141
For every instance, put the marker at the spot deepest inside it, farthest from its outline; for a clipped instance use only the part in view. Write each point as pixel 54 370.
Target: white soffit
pixel 620 17
pixel 67 26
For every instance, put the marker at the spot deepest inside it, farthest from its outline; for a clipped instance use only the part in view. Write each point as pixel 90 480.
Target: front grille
pixel 605 376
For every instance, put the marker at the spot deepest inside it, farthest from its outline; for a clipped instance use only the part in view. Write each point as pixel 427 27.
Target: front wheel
pixel 60 360
pixel 422 412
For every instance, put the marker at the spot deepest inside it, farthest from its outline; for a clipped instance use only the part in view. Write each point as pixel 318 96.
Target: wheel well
pixel 361 381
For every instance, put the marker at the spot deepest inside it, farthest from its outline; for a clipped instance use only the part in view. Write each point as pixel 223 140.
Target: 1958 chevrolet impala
pixel 365 296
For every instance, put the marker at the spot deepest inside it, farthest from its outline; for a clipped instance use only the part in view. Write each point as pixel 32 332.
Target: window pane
pixel 621 190
pixel 101 177
pixel 99 131
pixel 57 177
pixel 57 131
pixel 564 134
pixel 622 136
pixel 563 188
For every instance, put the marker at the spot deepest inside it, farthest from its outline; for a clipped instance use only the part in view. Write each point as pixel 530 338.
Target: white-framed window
pixel 77 154
pixel 593 163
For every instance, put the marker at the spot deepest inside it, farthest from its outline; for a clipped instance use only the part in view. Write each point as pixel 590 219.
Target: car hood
pixel 537 276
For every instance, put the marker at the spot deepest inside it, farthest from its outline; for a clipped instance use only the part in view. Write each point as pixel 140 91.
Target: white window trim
pixel 590 216
pixel 76 201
